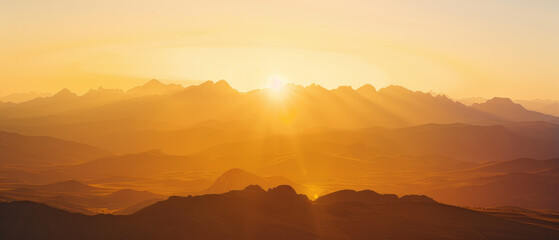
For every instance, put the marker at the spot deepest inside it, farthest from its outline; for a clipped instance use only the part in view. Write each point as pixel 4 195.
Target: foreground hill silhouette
pixel 78 197
pixel 279 213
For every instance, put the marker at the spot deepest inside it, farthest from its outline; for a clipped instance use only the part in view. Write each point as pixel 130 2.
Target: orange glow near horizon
pixel 279 119
pixel 462 49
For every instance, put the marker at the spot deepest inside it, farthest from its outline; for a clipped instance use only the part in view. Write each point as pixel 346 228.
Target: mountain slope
pixel 39 150
pixel 145 164
pixel 517 189
pixel 457 141
pixel 550 107
pixel 506 109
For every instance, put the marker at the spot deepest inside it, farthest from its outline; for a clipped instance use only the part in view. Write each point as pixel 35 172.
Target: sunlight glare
pixel 276 85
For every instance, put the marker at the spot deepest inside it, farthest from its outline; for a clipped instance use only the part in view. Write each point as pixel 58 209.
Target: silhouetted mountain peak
pixel 237 179
pixel 234 172
pixel 282 190
pixel 284 196
pixel 251 192
pixel 500 103
pixel 153 83
pixel 345 90
pixel 154 87
pixel 315 87
pixel 205 84
pixel 254 188
pixel 395 90
pixel 220 87
pixel 500 100
pixel 505 108
pixel 223 84
pixel 234 179
pixel 64 93
pixel 366 89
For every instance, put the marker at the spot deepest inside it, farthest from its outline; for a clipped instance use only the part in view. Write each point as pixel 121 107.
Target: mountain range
pixel 550 107
pixel 121 153
pixel 301 107
pixel 279 213
pixel 438 160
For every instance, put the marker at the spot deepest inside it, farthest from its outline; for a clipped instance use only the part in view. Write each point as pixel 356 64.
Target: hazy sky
pixel 461 48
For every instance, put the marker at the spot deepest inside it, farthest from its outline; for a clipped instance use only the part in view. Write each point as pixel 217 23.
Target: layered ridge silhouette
pixel 125 150
pixel 522 182
pixel 301 107
pixel 78 197
pixel 440 160
pixel 279 213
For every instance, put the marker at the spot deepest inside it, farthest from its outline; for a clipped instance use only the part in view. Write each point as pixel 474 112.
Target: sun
pixel 276 85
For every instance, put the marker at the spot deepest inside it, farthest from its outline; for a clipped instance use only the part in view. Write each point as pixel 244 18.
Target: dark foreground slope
pixel 279 213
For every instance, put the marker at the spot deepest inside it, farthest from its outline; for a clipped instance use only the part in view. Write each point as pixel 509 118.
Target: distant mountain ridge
pixel 153 87
pixel 505 108
pixel 547 106
pixel 22 96
pixel 550 107
pixel 67 101
pixel 300 107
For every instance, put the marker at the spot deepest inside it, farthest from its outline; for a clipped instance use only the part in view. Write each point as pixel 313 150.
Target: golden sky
pixel 461 48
